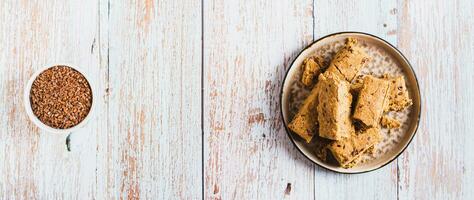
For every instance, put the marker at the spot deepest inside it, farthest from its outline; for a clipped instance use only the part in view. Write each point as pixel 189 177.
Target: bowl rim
pixel 33 118
pixel 288 132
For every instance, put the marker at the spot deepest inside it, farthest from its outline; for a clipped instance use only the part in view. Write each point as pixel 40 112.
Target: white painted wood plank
pixel 437 36
pixel 34 164
pixel 247 48
pixel 376 18
pixel 153 148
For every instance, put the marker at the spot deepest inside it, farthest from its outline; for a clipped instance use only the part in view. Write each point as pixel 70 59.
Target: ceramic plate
pixel 386 59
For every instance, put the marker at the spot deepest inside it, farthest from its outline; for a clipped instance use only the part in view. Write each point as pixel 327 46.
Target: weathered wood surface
pixel 34 164
pixel 247 49
pixel 145 139
pixel 187 99
pixel 152 148
pixel 438 38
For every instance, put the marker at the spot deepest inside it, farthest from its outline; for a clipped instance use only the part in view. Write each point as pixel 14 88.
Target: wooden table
pixel 188 99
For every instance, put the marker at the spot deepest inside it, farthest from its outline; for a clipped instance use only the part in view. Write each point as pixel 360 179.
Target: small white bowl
pixel 34 118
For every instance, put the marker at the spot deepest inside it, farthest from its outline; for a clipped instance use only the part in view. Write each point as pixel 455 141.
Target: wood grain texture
pixel 379 19
pixel 160 120
pixel 247 48
pixel 439 163
pixel 35 164
pixel 144 140
pixel 153 148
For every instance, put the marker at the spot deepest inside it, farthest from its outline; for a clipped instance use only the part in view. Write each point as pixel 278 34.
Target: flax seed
pixel 61 97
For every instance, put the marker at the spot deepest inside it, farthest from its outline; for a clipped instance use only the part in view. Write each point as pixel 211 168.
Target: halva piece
pixel 306 120
pixel 349 60
pixel 370 104
pixel 350 149
pixel 389 122
pixel 398 98
pixel 312 67
pixel 334 108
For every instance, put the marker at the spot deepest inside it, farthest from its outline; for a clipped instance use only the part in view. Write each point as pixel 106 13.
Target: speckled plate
pixel 385 59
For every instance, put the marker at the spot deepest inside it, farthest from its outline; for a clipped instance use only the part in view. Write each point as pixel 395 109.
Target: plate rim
pixel 288 132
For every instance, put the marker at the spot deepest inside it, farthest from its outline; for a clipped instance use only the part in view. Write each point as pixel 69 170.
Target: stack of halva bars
pixel 344 110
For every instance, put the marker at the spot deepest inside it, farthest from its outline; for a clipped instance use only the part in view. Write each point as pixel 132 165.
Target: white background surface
pixel 187 103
